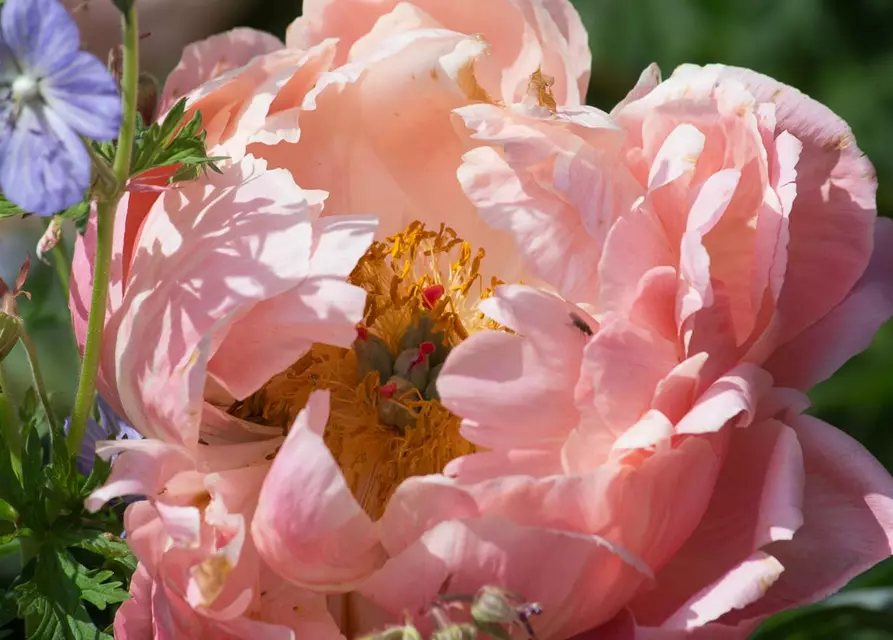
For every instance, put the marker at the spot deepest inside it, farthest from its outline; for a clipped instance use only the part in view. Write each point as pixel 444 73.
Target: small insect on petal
pixel 578 322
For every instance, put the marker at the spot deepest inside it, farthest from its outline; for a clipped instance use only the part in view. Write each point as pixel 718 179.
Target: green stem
pixel 39 385
pixel 11 432
pixel 105 231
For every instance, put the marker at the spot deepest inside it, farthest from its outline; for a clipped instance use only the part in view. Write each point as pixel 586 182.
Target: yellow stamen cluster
pixel 422 286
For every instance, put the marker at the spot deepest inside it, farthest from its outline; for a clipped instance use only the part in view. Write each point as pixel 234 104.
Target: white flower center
pixel 25 88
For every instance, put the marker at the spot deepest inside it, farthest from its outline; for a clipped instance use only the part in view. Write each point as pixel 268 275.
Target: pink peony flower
pixel 622 442
pixel 252 242
pixel 741 275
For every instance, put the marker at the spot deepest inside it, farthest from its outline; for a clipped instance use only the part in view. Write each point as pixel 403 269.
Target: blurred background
pixel 838 51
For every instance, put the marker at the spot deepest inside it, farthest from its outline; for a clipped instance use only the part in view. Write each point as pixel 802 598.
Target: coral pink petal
pixel 848 329
pixel 833 215
pixel 757 500
pixel 734 395
pixel 621 367
pixel 308 526
pixel 322 307
pixel 142 469
pixel 508 393
pixel 235 239
pixel 134 620
pixel 847 521
pixel 586 584
pixel 207 59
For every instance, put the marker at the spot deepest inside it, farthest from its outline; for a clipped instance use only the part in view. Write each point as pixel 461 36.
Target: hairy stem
pixel 105 231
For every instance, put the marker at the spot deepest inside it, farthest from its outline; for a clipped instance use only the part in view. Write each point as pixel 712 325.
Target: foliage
pixel 73 571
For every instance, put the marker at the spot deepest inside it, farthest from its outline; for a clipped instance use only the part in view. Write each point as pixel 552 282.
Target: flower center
pixel 25 88
pixel 386 422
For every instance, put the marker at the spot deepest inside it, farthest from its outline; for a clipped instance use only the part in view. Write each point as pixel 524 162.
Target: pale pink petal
pixel 621 368
pixel 587 581
pixel 635 245
pixel 833 215
pixel 549 190
pixel 205 60
pixel 648 80
pixel 308 526
pixel 377 135
pixel 757 500
pixel 536 372
pixel 733 396
pixel 322 307
pixel 133 621
pixel 847 521
pixel 739 587
pixel 710 204
pixel 237 238
pixel 142 468
pixel 848 329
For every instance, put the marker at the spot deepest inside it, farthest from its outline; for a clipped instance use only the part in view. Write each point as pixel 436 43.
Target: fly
pixel 578 322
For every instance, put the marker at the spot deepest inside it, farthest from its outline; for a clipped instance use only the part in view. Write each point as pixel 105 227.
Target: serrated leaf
pixel 113 549
pixel 100 589
pixel 55 576
pixel 173 142
pixel 47 620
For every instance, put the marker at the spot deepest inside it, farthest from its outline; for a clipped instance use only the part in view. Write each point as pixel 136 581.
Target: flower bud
pixel 456 632
pixel 147 97
pixel 491 606
pixel 10 331
pixel 407 632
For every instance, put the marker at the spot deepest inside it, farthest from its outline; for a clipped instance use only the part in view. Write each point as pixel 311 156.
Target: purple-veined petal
pixel 45 166
pixel 41 34
pixel 84 94
pixel 115 426
pixel 87 453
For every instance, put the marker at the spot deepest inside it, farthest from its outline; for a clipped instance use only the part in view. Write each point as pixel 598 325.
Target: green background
pixel 839 52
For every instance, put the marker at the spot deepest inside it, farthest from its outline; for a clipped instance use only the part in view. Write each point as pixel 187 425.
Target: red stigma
pixel 425 350
pixel 362 333
pixel 387 390
pixel 430 295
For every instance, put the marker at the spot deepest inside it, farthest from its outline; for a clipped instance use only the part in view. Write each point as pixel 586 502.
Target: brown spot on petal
pixel 210 576
pixel 468 83
pixel 540 87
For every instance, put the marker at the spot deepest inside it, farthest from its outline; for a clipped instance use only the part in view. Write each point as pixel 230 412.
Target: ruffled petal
pixel 308 526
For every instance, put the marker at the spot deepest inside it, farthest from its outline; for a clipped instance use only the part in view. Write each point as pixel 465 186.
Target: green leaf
pixel 174 141
pixel 52 602
pixel 100 590
pixel 112 549
pixel 45 619
pixel 8 209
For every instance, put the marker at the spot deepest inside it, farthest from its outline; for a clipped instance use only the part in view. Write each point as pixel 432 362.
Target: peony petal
pixel 848 329
pixel 847 521
pixel 207 59
pixel 757 500
pixel 322 307
pixel 236 239
pixel 308 526
pixel 586 582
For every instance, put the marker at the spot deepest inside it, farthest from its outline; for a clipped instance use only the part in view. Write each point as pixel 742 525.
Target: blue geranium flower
pixel 51 94
pixel 109 427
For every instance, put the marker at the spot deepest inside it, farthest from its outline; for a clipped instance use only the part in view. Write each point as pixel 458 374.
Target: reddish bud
pixel 430 295
pixel 387 390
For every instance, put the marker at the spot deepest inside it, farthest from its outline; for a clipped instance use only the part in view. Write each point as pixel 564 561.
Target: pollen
pixel 386 421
